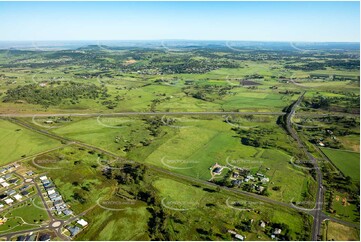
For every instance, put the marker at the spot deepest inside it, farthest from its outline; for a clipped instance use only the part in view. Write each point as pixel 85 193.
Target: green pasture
pixel 17 142
pixel 346 161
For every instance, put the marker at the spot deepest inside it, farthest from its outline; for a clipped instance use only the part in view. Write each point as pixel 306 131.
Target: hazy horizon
pixel 218 21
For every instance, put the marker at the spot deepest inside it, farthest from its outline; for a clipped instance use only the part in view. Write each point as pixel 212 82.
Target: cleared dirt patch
pixel 129 62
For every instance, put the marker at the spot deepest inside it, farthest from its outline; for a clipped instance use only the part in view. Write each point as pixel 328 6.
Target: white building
pixel 43 178
pixel 9 201
pixel 82 222
pixel 238 236
pixel 52 191
pixel 18 197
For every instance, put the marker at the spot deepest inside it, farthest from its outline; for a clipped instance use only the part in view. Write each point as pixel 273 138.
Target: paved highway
pixel 4 115
pixel 317 212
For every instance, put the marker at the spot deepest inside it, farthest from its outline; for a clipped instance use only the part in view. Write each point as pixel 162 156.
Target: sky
pixel 249 21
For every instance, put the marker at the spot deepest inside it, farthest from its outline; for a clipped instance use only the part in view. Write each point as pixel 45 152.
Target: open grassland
pixel 345 208
pixel 108 133
pixel 191 145
pixel 348 162
pixel 339 232
pixel 17 142
pixel 351 142
pixel 211 212
pixel 137 93
pixel 127 224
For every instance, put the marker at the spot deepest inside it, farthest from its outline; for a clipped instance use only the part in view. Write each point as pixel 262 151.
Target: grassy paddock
pixel 348 162
pixel 16 142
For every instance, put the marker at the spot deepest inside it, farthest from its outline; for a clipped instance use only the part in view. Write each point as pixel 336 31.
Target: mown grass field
pixel 348 162
pixel 16 142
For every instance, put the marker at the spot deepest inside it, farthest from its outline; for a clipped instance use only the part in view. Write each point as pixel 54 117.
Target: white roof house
pixel 43 178
pixel 277 231
pixel 52 191
pixel 9 201
pixel 5 184
pixel 1 205
pixel 238 236
pixel 18 197
pixel 2 180
pixel 82 222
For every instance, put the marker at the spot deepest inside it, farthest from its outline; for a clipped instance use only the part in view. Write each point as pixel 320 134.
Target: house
pixel 82 222
pixel 46 181
pixel 260 188
pixel 3 171
pixel 67 212
pixel 18 197
pixel 49 122
pixel 53 195
pixel 24 193
pixel 265 180
pixel 29 173
pixel 42 178
pixel 236 182
pixel 217 170
pixel 44 237
pixel 250 177
pixel 1 205
pixel 48 186
pixel 59 210
pixel 58 202
pixel 3 220
pixel 260 174
pixel 277 231
pixel 238 236
pixel 9 201
pixel 10 192
pixel 58 198
pixel 321 144
pixel 51 192
pixel 262 224
pixel 24 187
pixel 1 180
pixel 5 184
pixel 16 165
pixel 7 176
pixel 12 181
pixel 73 230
